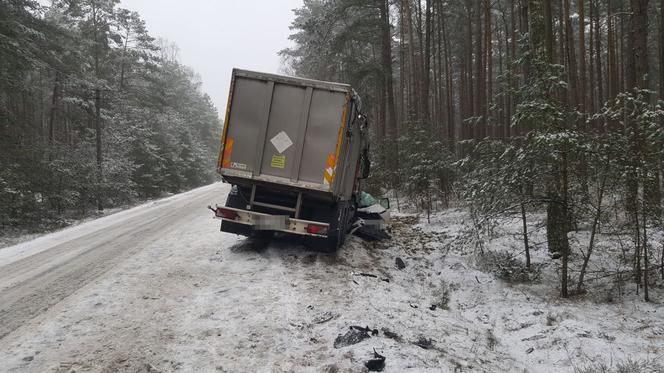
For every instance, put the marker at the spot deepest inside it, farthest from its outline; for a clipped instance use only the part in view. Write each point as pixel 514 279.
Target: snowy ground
pixel 159 288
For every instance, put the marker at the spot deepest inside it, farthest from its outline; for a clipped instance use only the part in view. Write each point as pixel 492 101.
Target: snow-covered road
pixel 46 279
pixel 158 288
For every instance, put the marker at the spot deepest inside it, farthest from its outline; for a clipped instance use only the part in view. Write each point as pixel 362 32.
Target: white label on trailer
pixel 238 166
pixel 281 142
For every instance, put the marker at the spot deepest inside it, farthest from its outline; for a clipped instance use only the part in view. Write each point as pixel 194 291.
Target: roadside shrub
pixel 506 267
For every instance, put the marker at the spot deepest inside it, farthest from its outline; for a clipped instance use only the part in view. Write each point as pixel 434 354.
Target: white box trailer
pixel 294 150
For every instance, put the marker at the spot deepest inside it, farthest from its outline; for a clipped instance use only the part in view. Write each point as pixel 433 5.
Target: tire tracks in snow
pixel 32 285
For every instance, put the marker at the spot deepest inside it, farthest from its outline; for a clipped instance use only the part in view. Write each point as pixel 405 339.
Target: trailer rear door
pixel 284 130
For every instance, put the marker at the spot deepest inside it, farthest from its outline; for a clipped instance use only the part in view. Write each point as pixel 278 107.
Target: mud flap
pixel 235 228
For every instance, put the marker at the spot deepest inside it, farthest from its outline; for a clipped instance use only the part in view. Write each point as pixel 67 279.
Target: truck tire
pixel 338 218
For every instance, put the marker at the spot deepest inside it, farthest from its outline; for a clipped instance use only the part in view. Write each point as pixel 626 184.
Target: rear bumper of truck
pixel 267 222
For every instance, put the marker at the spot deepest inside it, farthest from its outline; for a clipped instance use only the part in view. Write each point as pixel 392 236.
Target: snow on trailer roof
pixel 332 86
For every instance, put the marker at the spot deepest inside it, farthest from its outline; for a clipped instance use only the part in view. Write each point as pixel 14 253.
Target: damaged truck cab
pixel 295 151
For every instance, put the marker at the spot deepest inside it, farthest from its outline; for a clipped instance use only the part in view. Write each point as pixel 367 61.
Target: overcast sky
pixel 216 35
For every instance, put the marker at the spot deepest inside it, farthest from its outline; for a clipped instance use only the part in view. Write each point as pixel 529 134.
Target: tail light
pixel 226 213
pixel 317 229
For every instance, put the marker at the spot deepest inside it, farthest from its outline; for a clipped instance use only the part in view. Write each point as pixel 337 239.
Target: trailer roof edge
pixel 341 87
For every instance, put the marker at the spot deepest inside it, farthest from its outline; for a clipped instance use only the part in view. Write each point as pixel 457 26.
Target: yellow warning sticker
pixel 278 161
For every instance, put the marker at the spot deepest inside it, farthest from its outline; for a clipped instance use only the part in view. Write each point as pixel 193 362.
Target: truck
pixel 295 152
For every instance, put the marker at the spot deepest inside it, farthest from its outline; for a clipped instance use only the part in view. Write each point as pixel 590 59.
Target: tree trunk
pixel 480 86
pixel 571 56
pixel 646 264
pixel 488 42
pixel 637 76
pixel 124 56
pixel 426 76
pixel 386 59
pixel 54 108
pixel 449 83
pixel 415 101
pixel 582 57
pixel 548 29
pixel 598 58
pixel 661 50
pixel 525 234
pixel 611 58
pixel 593 232
pixel 98 143
pixel 557 222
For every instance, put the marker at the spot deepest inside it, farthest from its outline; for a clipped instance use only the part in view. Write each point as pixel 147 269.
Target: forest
pixel 527 109
pixel 94 113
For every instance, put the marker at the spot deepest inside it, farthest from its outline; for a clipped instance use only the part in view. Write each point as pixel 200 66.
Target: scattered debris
pixel 425 343
pixel 377 363
pixel 370 233
pixel 534 337
pixel 400 263
pixel 28 358
pixel 528 351
pixel 412 305
pixel 366 329
pixel 323 318
pixel 392 335
pixel 384 279
pixel 433 307
pixel 353 336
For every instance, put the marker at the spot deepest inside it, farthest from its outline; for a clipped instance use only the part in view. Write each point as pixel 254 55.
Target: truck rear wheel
pixel 338 216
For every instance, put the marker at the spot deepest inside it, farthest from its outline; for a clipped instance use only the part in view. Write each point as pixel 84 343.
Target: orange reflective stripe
pixel 221 162
pixel 328 175
pixel 344 119
pixel 332 159
pixel 228 150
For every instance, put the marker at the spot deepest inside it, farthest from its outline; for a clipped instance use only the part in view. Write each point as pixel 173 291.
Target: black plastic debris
pixel 425 343
pixel 368 215
pixel 400 263
pixel 366 329
pixel 392 335
pixel 370 233
pixel 377 363
pixel 324 317
pixel 369 275
pixel 353 336
pixel 433 307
